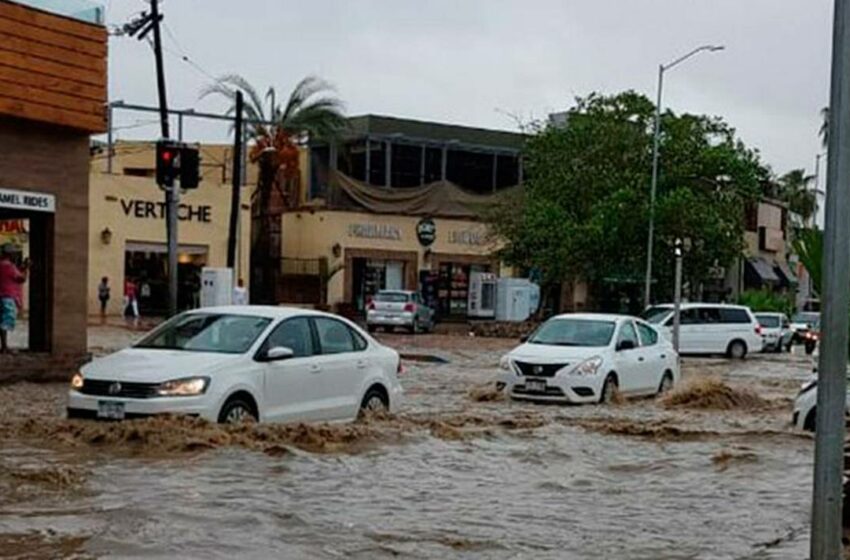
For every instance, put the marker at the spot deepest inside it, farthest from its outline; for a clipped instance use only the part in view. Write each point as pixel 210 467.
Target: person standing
pixel 131 299
pixel 103 295
pixel 12 281
pixel 240 293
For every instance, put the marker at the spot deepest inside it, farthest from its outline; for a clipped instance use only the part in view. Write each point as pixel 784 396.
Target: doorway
pixel 31 235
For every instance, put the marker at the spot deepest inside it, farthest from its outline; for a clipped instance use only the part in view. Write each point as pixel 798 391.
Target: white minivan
pixel 710 328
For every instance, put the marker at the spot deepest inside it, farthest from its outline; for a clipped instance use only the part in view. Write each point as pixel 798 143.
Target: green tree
pixel 584 211
pixel 311 112
pixel 793 188
pixel 808 245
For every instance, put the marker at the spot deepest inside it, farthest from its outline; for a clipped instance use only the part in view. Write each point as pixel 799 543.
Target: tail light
pixel 370 306
pixel 410 307
pixel 758 329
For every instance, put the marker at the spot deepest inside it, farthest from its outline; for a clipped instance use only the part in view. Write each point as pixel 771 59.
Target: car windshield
pixel 207 332
pixel 656 315
pixel 392 297
pixel 768 321
pixel 574 332
pixel 808 318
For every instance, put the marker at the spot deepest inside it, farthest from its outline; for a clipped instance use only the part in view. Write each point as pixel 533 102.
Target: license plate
pixel 535 385
pixel 110 410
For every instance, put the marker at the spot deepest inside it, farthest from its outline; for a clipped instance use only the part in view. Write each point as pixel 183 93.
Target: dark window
pixel 686 317
pixel 751 217
pixel 628 333
pixel 139 171
pixel 294 334
pixel 359 342
pixel 733 315
pixel 648 336
pixel 334 336
pixel 709 315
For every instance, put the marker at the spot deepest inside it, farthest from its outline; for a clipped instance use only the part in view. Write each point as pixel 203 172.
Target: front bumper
pixel 565 389
pixel 86 406
pixel 384 320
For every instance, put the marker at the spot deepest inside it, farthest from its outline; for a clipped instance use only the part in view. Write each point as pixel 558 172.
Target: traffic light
pixel 167 162
pixel 189 167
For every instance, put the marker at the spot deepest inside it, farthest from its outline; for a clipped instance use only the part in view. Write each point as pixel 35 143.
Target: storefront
pixel 52 98
pixel 127 237
pixel 375 252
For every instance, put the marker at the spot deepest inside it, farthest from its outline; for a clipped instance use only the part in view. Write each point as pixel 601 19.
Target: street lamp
pixel 661 69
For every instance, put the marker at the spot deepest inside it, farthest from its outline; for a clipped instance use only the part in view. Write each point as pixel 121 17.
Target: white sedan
pixel 228 364
pixel 586 358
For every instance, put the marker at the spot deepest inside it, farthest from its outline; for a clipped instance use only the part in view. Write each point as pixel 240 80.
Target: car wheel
pixel 737 350
pixel 666 384
pixel 237 411
pixel 609 390
pixel 811 420
pixel 375 400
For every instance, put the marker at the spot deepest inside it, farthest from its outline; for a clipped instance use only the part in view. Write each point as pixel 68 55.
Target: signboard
pixel 467 237
pixel 374 231
pixel 426 232
pixel 27 200
pixel 13 231
pixel 156 210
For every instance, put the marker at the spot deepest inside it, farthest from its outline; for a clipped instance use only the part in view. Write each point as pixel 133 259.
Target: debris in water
pixel 724 458
pixel 712 393
pixel 486 393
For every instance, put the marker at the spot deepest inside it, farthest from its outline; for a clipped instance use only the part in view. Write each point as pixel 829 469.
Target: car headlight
pixel 188 387
pixel 77 381
pixel 588 367
pixel 505 363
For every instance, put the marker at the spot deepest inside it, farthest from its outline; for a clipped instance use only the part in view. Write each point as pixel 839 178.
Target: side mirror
pixel 625 345
pixel 278 353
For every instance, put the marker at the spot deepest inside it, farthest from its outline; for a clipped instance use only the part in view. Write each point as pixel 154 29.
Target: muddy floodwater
pixel 461 473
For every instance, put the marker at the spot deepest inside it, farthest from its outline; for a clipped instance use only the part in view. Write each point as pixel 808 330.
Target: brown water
pixel 459 474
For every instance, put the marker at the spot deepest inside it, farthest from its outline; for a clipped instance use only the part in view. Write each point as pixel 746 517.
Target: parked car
pixel 228 364
pixel 775 331
pixel 399 308
pixel 710 328
pixel 587 358
pixel 804 416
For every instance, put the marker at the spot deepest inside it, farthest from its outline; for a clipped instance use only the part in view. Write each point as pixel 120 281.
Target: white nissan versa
pixel 585 358
pixel 227 364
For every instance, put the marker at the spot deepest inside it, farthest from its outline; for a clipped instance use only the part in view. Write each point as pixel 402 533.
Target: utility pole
pixel 237 184
pixel 832 368
pixel 172 192
pixel 677 296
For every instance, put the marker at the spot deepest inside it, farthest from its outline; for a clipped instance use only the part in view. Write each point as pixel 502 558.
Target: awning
pixel 763 269
pixel 785 271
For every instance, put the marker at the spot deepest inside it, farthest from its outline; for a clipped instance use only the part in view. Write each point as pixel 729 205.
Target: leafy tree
pixel 310 112
pixel 808 245
pixel 584 211
pixel 794 190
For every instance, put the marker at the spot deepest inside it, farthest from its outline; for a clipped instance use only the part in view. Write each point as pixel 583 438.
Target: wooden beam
pixel 52 115
pixel 44 97
pixel 52 83
pixel 41 66
pixel 53 22
pixel 10 27
pixel 55 54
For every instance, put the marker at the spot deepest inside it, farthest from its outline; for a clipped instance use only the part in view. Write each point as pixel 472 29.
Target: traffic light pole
pixel 172 192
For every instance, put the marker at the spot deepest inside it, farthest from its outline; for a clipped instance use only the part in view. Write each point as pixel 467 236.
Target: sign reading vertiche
pixel 27 200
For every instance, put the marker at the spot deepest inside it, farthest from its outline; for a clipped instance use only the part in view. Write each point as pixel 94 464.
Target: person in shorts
pixel 12 280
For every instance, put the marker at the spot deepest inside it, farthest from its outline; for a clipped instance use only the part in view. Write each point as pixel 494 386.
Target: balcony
pixel 81 10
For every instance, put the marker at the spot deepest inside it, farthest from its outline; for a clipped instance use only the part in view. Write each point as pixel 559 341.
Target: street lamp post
pixel 656 139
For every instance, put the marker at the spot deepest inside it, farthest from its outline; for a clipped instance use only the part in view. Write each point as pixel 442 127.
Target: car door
pixel 291 386
pixel 628 361
pixel 689 331
pixel 344 365
pixel 655 358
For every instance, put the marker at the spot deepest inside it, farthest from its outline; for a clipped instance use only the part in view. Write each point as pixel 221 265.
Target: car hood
pixel 153 366
pixel 545 354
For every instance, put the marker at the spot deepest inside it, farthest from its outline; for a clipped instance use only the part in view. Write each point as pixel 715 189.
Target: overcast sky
pixel 472 61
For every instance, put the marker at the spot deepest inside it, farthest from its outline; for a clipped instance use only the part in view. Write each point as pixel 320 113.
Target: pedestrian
pixel 12 280
pixel 131 299
pixel 103 295
pixel 240 293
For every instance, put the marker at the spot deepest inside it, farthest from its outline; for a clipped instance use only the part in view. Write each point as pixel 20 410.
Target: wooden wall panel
pixel 53 69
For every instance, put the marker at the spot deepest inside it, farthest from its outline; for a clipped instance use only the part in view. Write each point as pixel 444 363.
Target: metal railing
pixel 82 10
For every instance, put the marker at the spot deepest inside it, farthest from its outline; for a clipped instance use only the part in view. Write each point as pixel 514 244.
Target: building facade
pixel 396 204
pixel 127 236
pixel 52 97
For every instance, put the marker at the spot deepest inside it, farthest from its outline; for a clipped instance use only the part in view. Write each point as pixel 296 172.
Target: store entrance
pixel 146 266
pixel 373 275
pixel 29 235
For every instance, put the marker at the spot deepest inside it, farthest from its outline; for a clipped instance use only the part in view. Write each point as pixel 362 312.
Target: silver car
pixel 776 331
pixel 399 308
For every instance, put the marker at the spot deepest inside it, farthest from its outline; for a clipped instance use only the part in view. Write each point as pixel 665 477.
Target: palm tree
pixel 824 127
pixel 794 190
pixel 276 132
pixel 809 247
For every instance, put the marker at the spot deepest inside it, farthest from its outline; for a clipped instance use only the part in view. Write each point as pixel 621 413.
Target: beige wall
pixel 313 234
pixel 112 206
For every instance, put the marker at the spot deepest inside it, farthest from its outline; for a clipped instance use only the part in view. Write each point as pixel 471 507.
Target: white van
pixel 710 328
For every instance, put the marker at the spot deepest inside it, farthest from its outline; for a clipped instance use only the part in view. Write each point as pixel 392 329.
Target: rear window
pixel 769 321
pixel 392 297
pixel 734 315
